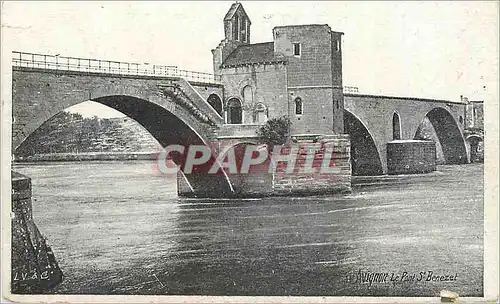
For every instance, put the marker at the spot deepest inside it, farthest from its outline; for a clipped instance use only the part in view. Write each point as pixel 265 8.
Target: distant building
pixel 474 128
pixel 474 115
pixel 298 74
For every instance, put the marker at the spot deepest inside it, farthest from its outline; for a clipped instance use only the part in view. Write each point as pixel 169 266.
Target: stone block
pixel 411 156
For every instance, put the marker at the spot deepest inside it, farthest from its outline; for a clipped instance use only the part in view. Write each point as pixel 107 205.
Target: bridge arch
pixel 168 129
pixel 448 133
pixel 147 113
pixel 476 147
pixel 396 125
pixel 244 182
pixel 365 155
pixel 239 148
pixel 474 137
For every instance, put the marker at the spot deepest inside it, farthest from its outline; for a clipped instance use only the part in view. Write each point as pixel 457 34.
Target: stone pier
pixel 34 268
pixel 260 181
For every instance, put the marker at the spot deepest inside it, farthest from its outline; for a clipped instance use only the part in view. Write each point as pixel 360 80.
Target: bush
pixel 275 131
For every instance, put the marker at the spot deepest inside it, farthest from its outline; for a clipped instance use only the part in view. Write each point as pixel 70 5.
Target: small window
pixel 236 28
pixel 396 126
pixel 296 49
pixel 247 94
pixel 298 106
pixel 338 45
pixel 244 30
pixel 260 113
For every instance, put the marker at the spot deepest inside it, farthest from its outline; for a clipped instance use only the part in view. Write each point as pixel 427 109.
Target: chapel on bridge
pixel 298 74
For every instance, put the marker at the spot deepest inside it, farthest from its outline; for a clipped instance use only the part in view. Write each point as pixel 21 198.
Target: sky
pixel 423 49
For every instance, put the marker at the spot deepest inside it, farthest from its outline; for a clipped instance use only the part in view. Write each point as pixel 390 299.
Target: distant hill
pixel 72 133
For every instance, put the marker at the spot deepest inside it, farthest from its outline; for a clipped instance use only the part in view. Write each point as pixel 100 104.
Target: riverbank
pixel 89 156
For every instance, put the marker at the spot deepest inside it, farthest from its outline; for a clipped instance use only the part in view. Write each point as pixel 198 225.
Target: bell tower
pixel 237 24
pixel 236 33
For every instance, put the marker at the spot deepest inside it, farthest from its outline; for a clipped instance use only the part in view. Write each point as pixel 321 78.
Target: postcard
pixel 271 152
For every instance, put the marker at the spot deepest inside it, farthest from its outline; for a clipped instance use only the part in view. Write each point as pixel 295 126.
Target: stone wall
pixel 234 130
pixel 317 181
pixel 474 115
pixel 313 67
pixel 34 268
pixel 268 83
pixel 315 76
pixel 263 181
pixel 411 156
pixel 317 115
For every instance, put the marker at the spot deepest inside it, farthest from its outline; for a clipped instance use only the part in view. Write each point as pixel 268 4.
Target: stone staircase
pixel 184 94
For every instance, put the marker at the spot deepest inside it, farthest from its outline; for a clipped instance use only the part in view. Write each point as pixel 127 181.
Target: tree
pixel 275 131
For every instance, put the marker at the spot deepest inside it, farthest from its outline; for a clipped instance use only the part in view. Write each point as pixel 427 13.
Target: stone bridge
pixel 177 107
pixel 172 109
pixel 372 121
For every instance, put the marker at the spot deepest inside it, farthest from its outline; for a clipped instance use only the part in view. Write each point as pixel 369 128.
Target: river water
pixel 118 228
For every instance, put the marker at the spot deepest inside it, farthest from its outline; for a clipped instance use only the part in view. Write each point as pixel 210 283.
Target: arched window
pixel 299 106
pixel 260 113
pixel 216 103
pixel 243 29
pixel 234 114
pixel 396 127
pixel 247 95
pixel 236 28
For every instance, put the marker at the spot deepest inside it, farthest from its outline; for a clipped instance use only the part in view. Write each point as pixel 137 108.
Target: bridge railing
pixel 55 62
